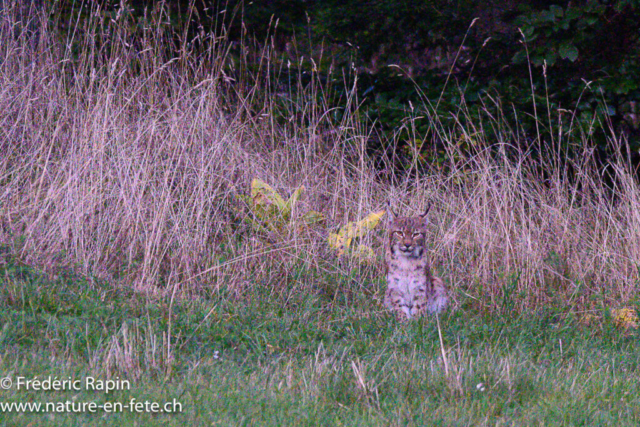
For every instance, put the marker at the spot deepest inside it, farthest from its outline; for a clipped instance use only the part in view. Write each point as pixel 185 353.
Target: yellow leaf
pixel 347 242
pixel 371 220
pixel 587 319
pixel 336 242
pixel 292 200
pixel 263 194
pixel 247 200
pixel 626 318
pixel 352 230
pixel 312 217
pixel 349 231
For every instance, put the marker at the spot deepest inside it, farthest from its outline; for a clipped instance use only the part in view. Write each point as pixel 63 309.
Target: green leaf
pixel 590 20
pixel 519 57
pixel 546 16
pixel 528 30
pixel 521 21
pixel 557 10
pixel 537 60
pixel 568 51
pixel 574 13
pixel 551 57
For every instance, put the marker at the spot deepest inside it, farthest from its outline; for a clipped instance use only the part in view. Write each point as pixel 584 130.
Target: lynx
pixel 411 288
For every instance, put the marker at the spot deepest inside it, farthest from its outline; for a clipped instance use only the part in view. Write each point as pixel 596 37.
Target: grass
pixel 269 359
pixel 128 251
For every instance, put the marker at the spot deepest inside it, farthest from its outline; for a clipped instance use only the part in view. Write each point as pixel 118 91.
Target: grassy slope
pixel 307 360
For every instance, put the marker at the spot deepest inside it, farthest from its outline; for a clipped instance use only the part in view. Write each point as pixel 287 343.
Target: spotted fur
pixel 412 290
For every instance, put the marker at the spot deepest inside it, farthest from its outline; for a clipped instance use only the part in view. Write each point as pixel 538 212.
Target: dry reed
pixel 122 157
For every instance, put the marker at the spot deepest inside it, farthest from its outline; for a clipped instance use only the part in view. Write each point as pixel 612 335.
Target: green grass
pixel 305 359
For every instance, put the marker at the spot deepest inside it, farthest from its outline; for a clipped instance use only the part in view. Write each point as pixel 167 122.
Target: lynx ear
pixel 391 215
pixel 424 215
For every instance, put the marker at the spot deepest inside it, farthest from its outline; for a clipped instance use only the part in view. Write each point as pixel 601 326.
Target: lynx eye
pixel 417 235
pixel 397 233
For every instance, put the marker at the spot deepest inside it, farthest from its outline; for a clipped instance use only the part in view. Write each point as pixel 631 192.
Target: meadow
pixel 133 247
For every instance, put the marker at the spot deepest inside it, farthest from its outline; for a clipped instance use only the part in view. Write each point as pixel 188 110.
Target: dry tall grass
pixel 124 161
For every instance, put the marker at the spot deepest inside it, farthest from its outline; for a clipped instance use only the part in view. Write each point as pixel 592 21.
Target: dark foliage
pixel 549 65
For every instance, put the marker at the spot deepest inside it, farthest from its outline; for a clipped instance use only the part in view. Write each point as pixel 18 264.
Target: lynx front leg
pixel 395 300
pixel 438 299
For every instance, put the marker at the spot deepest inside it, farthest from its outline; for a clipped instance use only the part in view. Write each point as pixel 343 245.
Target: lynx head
pixel 407 234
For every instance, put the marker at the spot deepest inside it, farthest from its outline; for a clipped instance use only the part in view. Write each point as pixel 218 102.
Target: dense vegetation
pixel 547 66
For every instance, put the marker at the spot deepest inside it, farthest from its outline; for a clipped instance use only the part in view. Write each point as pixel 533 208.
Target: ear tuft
pixel 424 215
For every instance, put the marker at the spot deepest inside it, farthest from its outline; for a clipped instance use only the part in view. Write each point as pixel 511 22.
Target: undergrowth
pixel 129 245
pixel 135 166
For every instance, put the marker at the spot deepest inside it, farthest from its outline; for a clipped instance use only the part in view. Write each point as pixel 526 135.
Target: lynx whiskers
pixel 412 290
